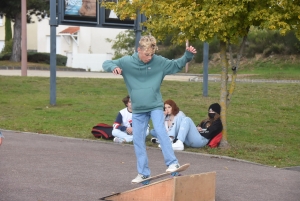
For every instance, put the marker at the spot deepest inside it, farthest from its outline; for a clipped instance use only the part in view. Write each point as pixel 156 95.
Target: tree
pixel 12 10
pixel 8 37
pixel 228 20
pixel 8 31
pixel 124 44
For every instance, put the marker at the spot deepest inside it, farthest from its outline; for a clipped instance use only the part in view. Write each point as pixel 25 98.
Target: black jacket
pixel 213 129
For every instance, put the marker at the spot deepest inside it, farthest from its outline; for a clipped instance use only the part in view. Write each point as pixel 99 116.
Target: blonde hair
pixel 148 43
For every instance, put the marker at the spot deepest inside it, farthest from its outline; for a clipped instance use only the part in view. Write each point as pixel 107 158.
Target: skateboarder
pixel 143 73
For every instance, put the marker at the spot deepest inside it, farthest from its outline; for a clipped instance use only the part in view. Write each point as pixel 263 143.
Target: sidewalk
pixel 43 73
pixel 37 167
pixel 175 77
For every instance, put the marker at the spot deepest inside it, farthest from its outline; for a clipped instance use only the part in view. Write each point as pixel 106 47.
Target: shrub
pixel 7 47
pixel 168 53
pixel 5 56
pixel 271 42
pixel 37 57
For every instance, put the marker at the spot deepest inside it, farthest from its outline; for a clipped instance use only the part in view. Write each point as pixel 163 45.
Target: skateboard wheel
pixel 145 182
pixel 175 174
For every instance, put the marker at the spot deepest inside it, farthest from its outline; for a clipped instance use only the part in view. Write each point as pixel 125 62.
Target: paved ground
pixel 36 167
pixel 176 77
pixel 41 73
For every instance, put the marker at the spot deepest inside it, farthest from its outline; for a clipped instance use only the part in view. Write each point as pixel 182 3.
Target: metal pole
pixel 138 30
pixel 24 39
pixel 205 68
pixel 53 25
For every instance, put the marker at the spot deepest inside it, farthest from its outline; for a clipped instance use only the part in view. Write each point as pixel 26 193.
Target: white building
pixel 85 47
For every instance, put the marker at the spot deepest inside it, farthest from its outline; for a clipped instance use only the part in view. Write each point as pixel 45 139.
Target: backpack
pixel 102 130
pixel 215 142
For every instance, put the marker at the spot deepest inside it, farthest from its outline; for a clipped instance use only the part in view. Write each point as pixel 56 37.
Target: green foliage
pixel 13 7
pixel 12 10
pixel 124 44
pixel 8 37
pixel 268 42
pixel 8 30
pixel 259 41
pixel 172 51
pixel 7 47
pixel 38 57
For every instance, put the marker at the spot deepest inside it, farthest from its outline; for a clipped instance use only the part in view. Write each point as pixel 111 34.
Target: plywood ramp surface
pixel 196 187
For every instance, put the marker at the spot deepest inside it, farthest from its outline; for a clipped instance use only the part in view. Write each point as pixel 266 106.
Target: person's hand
pixel 129 130
pixel 191 49
pixel 0 140
pixel 199 129
pixel 117 71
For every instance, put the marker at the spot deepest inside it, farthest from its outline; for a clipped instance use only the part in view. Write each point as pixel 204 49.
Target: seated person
pixel 173 118
pixel 199 136
pixel 1 136
pixel 122 128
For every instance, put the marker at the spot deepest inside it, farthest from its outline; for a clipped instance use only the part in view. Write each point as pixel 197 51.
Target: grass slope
pixel 263 123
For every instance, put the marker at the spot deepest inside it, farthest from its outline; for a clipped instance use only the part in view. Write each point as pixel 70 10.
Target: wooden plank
pixel 198 187
pixel 158 191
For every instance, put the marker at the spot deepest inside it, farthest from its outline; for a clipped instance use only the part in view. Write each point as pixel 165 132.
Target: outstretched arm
pixel 191 49
pixel 176 65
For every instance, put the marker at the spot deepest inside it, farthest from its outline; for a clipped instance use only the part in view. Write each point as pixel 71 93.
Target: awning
pixel 72 32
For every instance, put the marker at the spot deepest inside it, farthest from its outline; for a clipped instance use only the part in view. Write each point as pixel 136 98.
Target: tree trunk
pixel 224 93
pixel 234 68
pixel 16 50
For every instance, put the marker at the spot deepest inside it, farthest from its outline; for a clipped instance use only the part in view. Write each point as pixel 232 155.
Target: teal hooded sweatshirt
pixel 143 80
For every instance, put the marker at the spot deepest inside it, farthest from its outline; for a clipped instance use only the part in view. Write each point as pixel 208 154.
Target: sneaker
pixel 139 178
pixel 118 140
pixel 178 145
pixel 154 140
pixel 173 167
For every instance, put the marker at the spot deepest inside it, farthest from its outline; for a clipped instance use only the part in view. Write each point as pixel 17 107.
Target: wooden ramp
pixel 196 187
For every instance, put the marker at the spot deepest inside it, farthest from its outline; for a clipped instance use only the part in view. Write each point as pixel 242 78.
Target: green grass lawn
pixel 263 118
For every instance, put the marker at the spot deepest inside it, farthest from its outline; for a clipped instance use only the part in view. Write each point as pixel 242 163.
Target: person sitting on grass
pixel 199 136
pixel 1 136
pixel 122 128
pixel 173 118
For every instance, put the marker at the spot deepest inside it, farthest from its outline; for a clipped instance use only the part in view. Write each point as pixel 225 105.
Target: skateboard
pixel 173 174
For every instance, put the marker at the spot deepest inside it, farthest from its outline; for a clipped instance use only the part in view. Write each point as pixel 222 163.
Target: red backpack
pixel 102 130
pixel 215 141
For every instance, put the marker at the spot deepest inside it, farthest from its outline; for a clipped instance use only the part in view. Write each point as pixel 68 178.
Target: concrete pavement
pixel 38 167
pixel 44 73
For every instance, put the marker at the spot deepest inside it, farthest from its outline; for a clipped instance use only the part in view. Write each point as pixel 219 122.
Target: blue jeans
pixel 121 134
pixel 189 135
pixel 139 126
